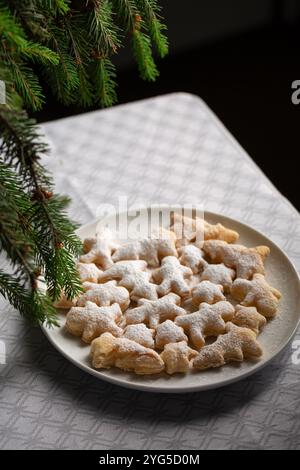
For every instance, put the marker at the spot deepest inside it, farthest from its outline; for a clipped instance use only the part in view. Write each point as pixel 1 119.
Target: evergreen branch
pixel 103 29
pixel 10 29
pixel 27 84
pixel 39 53
pixel 57 6
pixel 126 13
pixel 141 46
pixel 105 85
pixel 151 13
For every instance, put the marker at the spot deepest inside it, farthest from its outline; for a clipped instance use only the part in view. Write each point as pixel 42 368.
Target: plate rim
pixel 193 388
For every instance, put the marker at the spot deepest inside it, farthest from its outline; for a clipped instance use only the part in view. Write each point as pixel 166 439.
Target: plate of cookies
pixel 194 303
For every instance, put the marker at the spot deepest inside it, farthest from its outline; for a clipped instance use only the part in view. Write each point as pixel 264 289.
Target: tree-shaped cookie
pixel 154 312
pixel 171 277
pixel 246 261
pixel 192 257
pixel 207 292
pixel 99 249
pixel 238 343
pixel 132 275
pixel 90 321
pixel 169 332
pixel 104 294
pixel 108 351
pixel 218 274
pixel 151 250
pixel 177 357
pixel 208 321
pixel 248 317
pixel 257 293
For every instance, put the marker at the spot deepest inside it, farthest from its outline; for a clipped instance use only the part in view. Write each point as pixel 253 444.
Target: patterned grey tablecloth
pixel 168 149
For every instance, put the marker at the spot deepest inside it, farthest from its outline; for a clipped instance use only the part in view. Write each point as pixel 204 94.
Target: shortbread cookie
pixel 177 357
pixel 207 292
pixel 171 277
pixel 246 261
pixel 208 321
pixel 218 274
pixel 104 295
pixel 140 334
pixel 257 293
pixel 108 351
pixel 90 321
pixel 248 317
pixel 169 332
pixel 151 250
pixel 132 275
pixel 198 229
pixel 99 249
pixel 154 312
pixel 88 272
pixel 238 343
pixel 192 257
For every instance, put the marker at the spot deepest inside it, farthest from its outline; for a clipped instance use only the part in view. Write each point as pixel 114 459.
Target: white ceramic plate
pixel 280 272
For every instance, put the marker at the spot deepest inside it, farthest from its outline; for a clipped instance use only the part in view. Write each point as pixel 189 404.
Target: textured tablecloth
pixel 167 149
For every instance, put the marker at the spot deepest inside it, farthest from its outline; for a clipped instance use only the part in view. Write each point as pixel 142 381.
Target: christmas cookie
pixel 246 261
pixel 104 294
pixel 140 334
pixel 99 249
pixel 208 321
pixel 198 229
pixel 88 272
pixel 248 317
pixel 177 357
pixel 90 321
pixel 257 293
pixel 151 250
pixel 132 276
pixel 154 312
pixel 108 351
pixel 192 257
pixel 171 277
pixel 207 292
pixel 218 274
pixel 169 332
pixel 235 345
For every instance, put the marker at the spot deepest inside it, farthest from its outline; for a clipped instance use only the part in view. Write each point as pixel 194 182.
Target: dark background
pixel 241 57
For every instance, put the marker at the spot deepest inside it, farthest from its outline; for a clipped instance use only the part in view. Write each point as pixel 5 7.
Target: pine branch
pixel 126 12
pixel 151 14
pixel 34 305
pixel 38 53
pixel 57 6
pixel 27 84
pixel 103 29
pixel 70 43
pixel 105 85
pixel 141 46
pixel 50 228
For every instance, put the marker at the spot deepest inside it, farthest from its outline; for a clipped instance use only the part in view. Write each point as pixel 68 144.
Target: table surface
pixel 163 150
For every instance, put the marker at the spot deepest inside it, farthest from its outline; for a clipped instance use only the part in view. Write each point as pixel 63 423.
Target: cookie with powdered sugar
pixel 171 277
pixel 177 357
pixel 108 351
pixel 104 295
pixel 90 321
pixel 236 344
pixel 209 320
